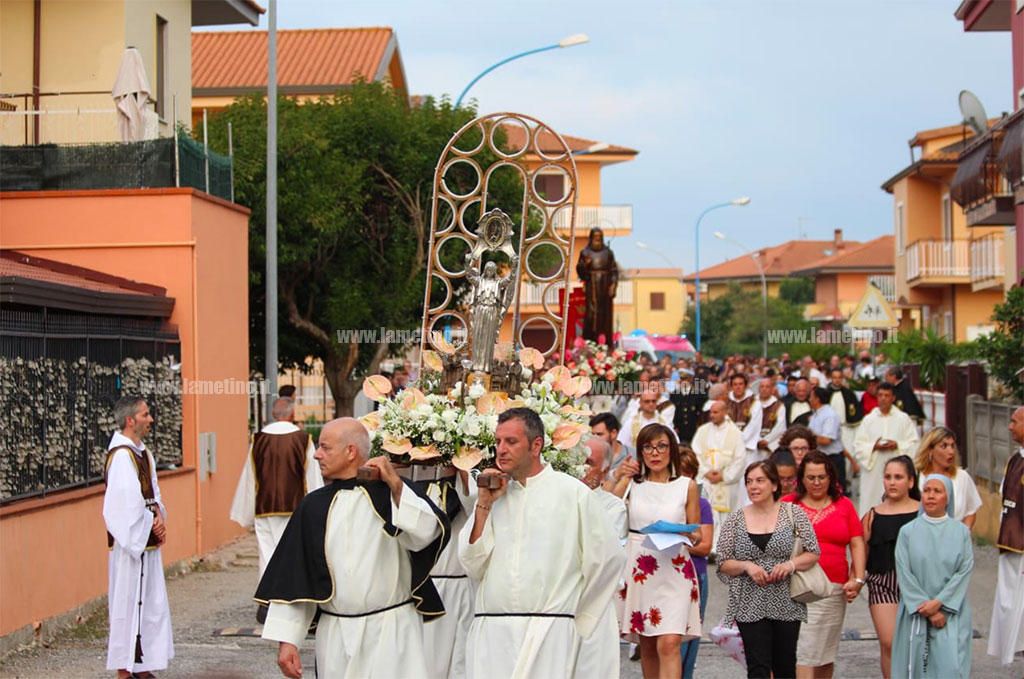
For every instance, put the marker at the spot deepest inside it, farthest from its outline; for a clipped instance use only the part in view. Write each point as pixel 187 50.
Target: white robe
pixel 243 509
pixel 753 453
pixel 632 425
pixel 896 426
pixel 720 447
pixel 553 551
pixel 370 571
pixel 1006 630
pixel 445 638
pixel 130 522
pixel 598 656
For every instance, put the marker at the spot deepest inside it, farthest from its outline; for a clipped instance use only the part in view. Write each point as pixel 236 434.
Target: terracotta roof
pixel 25 279
pixel 778 261
pixel 873 256
pixel 236 61
pixel 549 143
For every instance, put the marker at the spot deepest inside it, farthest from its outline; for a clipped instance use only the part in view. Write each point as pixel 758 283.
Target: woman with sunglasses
pixel 661 597
pixel 838 528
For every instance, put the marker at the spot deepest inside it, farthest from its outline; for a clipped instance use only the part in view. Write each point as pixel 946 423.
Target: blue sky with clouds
pixel 804 105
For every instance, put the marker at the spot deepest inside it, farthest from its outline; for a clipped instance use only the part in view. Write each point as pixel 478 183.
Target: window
pixel 550 186
pixel 947 325
pixel 899 228
pixel 657 301
pixel 947 218
pixel 161 67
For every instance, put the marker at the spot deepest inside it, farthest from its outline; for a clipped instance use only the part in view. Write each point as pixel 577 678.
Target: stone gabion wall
pixel 59 418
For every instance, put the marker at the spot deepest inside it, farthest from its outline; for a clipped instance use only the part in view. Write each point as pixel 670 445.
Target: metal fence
pixel 60 375
pixel 988 438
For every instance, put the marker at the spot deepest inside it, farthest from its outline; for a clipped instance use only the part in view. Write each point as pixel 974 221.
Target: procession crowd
pixel 522 571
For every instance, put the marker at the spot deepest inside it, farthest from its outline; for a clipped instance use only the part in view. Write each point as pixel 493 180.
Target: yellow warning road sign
pixel 873 311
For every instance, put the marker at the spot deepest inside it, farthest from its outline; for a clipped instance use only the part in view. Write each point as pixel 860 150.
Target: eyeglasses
pixel 799 447
pixel 816 479
pixel 661 448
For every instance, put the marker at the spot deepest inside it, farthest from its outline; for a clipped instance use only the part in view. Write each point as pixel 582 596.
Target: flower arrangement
pixel 458 428
pixel 601 363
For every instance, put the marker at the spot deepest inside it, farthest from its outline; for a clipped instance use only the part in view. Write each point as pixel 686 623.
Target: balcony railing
pixel 980 187
pixel 74 126
pixel 937 259
pixel 987 258
pixel 603 216
pixel 886 284
pixel 532 294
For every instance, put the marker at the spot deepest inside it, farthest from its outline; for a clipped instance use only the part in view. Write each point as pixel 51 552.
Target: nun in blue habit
pixel 934 558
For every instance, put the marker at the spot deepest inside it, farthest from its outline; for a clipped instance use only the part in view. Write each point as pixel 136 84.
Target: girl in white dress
pixel 660 602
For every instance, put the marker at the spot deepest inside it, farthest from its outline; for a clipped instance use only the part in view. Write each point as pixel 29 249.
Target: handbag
pixel 809 585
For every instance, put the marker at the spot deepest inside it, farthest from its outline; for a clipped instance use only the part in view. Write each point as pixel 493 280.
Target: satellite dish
pixel 973 112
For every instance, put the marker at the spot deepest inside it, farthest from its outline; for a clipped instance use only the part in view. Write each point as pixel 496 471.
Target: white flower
pixel 471 426
pixel 551 421
pixel 449 416
pixel 440 436
pixel 476 391
pixel 548 378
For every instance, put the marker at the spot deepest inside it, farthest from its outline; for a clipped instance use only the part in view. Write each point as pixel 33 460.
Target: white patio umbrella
pixel 131 91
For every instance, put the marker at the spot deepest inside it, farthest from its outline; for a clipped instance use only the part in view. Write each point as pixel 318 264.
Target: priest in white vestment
pixel 721 454
pixel 546 558
pixel 598 657
pixel 762 434
pixel 883 434
pixel 650 412
pixel 445 638
pixel 133 511
pixel 269 474
pixel 1006 632
pixel 361 553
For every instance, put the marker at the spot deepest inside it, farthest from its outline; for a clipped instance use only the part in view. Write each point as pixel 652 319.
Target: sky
pixel 805 106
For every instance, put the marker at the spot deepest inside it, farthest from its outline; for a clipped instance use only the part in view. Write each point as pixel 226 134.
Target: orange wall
pixel 164 221
pixel 850 287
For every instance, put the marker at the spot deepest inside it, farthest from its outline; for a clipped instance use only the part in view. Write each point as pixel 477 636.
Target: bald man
pixel 721 453
pixel 360 553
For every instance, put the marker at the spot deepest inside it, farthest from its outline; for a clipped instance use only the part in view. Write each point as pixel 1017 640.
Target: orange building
pixel 160 269
pixel 615 220
pixel 951 264
pixel 777 262
pixel 840 279
pixel 311 63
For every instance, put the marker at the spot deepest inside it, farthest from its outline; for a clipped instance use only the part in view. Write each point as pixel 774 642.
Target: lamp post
pixel 644 246
pixel 696 250
pixel 764 288
pixel 569 41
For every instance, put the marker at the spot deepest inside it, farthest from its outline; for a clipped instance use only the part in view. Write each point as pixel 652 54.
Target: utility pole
pixel 271 282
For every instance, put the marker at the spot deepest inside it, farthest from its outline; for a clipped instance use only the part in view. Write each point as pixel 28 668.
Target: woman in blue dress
pixel 934 558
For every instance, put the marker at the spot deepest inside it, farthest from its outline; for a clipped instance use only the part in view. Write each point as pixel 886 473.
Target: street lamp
pixel 696 238
pixel 577 39
pixel 644 246
pixel 764 288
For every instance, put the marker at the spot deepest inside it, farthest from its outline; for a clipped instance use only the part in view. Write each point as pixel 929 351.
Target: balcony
pixel 615 218
pixel 532 294
pixel 980 187
pixel 937 262
pixel 987 263
pixel 886 284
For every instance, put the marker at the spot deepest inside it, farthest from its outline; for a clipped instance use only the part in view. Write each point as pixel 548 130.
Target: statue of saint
pixel 600 276
pixel 492 296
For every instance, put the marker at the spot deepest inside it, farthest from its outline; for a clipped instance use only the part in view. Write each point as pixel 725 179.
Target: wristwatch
pixel 860 581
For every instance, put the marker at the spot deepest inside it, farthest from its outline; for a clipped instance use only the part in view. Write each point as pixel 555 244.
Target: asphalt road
pixel 214 600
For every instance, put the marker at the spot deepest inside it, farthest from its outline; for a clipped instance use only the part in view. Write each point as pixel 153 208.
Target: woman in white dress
pixel 938 454
pixel 660 601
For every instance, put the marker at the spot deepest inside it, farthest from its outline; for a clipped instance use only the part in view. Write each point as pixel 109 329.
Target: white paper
pixel 664 542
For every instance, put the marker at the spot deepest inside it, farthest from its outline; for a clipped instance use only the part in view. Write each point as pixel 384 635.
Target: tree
pixel 354 196
pixel 797 290
pixel 1003 348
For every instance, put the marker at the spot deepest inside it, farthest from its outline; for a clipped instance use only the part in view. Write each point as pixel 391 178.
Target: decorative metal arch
pixel 554 314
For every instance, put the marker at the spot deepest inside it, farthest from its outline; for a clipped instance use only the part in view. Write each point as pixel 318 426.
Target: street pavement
pixel 214 600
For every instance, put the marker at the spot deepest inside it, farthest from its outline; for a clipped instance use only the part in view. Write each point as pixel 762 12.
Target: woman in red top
pixel 837 528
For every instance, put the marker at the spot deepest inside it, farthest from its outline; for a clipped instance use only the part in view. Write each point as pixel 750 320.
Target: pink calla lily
pixel 376 387
pixel 467 458
pixel 396 446
pixel 432 361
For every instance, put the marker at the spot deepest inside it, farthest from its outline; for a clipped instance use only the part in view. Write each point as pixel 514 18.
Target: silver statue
pixel 492 296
